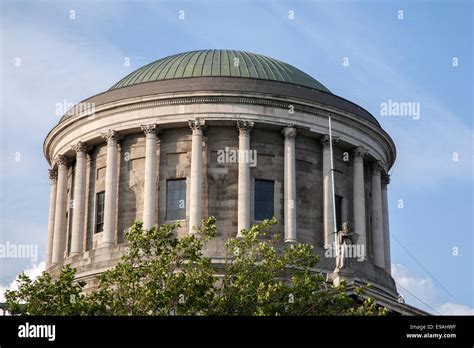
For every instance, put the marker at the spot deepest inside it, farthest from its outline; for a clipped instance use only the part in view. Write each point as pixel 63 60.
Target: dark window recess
pixel 99 218
pixel 69 229
pixel 338 202
pixel 70 219
pixel 263 199
pixel 176 199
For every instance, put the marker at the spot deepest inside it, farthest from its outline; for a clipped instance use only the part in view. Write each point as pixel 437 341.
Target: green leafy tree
pixel 161 274
pixel 265 277
pixel 47 295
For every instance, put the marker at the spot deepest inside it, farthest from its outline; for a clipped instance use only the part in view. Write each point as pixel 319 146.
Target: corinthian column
pixel 386 230
pixel 150 131
pixel 53 176
pixel 60 211
pixel 290 185
pixel 110 202
pixel 243 203
pixel 77 234
pixel 377 216
pixel 328 194
pixel 195 198
pixel 359 198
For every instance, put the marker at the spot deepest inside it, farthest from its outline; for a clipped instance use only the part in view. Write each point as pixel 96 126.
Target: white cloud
pixel 33 272
pixel 424 289
pixel 449 308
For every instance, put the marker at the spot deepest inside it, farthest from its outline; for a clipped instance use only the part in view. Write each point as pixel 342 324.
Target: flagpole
pixel 332 187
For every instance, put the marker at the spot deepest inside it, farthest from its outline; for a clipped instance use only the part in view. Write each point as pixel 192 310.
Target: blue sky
pixel 404 60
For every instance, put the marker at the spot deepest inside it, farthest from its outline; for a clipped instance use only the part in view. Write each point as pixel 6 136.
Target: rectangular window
pixel 176 199
pixel 338 202
pixel 263 199
pixel 99 218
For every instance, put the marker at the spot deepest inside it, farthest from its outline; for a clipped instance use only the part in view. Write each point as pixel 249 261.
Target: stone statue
pixel 344 238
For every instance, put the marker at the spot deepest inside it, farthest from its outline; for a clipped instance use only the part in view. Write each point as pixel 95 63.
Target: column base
pixel 148 227
pixel 345 274
pixel 291 241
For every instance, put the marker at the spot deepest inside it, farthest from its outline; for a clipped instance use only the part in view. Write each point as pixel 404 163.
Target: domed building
pixel 223 133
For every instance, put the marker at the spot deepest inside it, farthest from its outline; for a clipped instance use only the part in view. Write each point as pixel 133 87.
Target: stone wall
pixel 219 195
pixel 131 182
pixel 174 163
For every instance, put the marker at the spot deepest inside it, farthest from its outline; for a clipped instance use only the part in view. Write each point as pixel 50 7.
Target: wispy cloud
pixel 54 68
pixel 449 308
pixel 374 76
pixel 423 288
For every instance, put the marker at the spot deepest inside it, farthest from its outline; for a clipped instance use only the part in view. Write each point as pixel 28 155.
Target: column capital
pixel 111 135
pixel 150 129
pixel 325 140
pixel 244 127
pixel 289 132
pixel 385 180
pixel 80 147
pixel 377 167
pixel 61 160
pixel 53 175
pixel 197 124
pixel 360 151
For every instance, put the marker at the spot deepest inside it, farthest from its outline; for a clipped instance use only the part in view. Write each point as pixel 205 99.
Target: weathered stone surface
pixel 170 106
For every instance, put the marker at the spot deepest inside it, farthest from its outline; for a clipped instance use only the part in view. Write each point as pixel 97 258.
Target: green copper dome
pixel 224 63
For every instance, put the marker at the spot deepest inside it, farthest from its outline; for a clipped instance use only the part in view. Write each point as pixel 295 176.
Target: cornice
pixel 283 103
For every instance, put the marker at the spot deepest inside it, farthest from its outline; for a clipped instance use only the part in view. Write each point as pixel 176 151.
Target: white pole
pixel 332 187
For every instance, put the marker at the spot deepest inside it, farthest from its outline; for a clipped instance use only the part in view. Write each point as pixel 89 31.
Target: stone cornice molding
pixel 301 106
pixel 314 108
pixel 350 124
